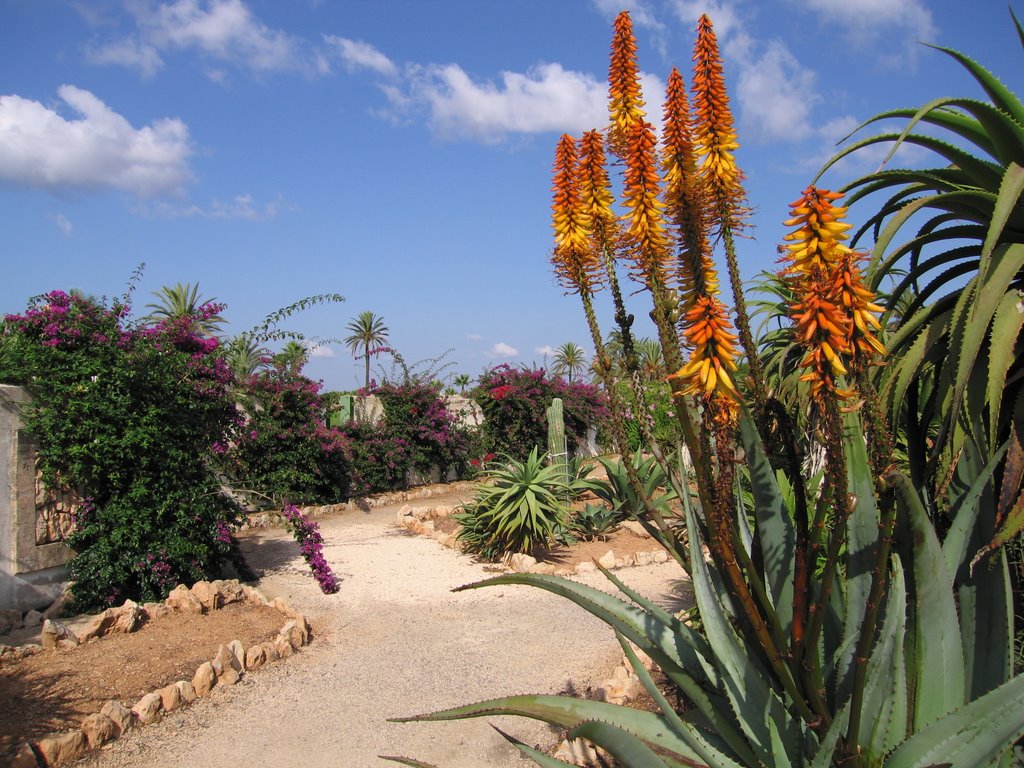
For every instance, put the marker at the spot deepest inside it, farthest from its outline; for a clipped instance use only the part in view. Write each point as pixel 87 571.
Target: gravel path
pixel 394 641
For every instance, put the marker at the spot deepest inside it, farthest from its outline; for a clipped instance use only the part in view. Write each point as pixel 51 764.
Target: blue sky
pixel 398 152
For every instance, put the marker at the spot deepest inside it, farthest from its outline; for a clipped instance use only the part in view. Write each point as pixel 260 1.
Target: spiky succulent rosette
pixel 573 257
pixel 625 98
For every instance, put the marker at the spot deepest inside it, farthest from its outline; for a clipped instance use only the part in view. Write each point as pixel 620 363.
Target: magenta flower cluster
pixel 311 544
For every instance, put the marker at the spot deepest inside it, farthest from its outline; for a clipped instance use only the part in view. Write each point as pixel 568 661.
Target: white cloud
pixel 243 207
pixel 639 12
pixel 357 54
pixel 723 14
pixel 546 98
pixel 474 337
pixel 131 54
pixel 776 94
pixel 863 20
pixel 221 29
pixel 318 350
pixel 503 350
pixel 41 148
pixel 547 350
pixel 63 223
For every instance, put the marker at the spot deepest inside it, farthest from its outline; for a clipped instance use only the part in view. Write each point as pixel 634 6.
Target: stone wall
pixel 33 556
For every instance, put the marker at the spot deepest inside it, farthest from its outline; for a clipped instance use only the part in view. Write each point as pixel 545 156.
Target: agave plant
pixel 595 521
pixel 518 507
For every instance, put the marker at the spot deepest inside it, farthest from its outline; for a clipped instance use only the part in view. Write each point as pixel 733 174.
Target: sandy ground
pixel 395 641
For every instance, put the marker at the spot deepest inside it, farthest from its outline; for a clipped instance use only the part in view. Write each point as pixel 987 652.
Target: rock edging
pixel 390 498
pixel 420 520
pixel 231 662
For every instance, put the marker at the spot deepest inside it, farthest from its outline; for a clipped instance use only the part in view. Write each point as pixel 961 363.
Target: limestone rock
pixel 24 757
pixel 547 569
pixel 582 568
pixel 62 748
pixel 661 556
pixel 154 611
pixel 55 634
pixel 229 677
pixel 270 649
pixel 119 715
pixel 622 687
pixel 33 619
pixel 182 599
pixel 576 752
pixel 127 618
pixel 255 657
pixel 170 697
pixel 187 691
pixel 252 595
pixel 226 659
pixel 643 558
pixel 204 679
pixel 99 729
pixel 207 595
pixel 283 647
pixel 238 655
pixel 521 563
pixel 294 634
pixel 230 590
pixel 147 709
pixel 634 527
pixel 607 560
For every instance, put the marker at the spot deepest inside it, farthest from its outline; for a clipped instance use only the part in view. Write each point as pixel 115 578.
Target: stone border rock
pixel 227 667
pixel 421 520
pixel 269 518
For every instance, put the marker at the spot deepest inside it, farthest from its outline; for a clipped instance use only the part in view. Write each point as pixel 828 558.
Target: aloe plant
pixel 861 617
pixel 897 677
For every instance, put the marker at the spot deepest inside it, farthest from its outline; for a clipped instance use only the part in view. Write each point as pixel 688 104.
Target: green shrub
pixel 514 403
pixel 128 417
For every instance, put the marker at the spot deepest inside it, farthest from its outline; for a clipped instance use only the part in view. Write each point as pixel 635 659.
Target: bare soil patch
pixel 53 690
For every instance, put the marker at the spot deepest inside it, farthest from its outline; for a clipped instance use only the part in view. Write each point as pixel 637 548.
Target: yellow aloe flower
pixel 858 301
pixel 713 131
pixel 625 98
pixel 649 244
pixel 707 374
pixel 818 240
pixel 573 257
pixel 823 329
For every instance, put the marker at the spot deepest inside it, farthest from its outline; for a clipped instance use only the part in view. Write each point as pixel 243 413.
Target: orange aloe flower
pixel 835 313
pixel 573 257
pixel 707 374
pixel 596 193
pixel 684 193
pixel 625 99
pixel 714 134
pixel 648 243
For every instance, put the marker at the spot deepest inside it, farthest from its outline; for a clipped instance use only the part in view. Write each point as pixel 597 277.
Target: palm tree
pixel 245 356
pixel 368 331
pixel 462 381
pixel 184 301
pixel 292 356
pixel 570 359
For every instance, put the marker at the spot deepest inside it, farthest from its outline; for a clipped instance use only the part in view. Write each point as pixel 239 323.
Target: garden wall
pixel 33 523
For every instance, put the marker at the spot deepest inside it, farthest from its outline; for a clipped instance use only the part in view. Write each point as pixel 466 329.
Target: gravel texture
pixel 395 641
